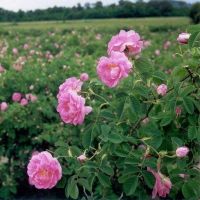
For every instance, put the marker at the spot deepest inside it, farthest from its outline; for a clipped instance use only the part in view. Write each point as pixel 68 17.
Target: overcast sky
pixel 15 5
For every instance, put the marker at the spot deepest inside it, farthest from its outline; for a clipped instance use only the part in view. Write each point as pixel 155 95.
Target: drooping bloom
pixel 183 38
pixel 182 151
pixel 44 171
pixel 178 111
pixel 3 106
pixel 16 97
pixel 82 158
pixel 71 108
pixel 114 68
pixel 70 84
pixel 162 185
pixel 128 42
pixel 84 77
pixel 162 89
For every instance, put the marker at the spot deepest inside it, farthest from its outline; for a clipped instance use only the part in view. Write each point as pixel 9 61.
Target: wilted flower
pixel 178 111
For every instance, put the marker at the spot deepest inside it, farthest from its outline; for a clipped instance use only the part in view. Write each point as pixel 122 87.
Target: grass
pixel 101 23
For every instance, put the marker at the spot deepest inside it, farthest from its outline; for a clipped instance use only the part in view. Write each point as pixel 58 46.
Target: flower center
pixel 112 65
pixel 43 172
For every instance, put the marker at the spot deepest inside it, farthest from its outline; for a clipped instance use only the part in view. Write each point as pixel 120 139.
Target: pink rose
pixel 82 158
pixel 2 69
pixel 84 77
pixel 26 46
pixel 70 84
pixel 15 51
pixel 183 38
pixel 31 97
pixel 128 42
pixel 182 152
pixel 23 102
pixel 114 68
pixel 166 45
pixel 162 89
pixel 71 108
pixel 44 171
pixel 162 185
pixel 16 97
pixel 3 106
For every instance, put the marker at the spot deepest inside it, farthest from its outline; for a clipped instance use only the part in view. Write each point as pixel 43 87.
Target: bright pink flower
pixel 162 185
pixel 70 84
pixel 44 171
pixel 183 38
pixel 3 106
pixel 84 77
pixel 182 151
pixel 16 97
pixel 114 68
pixel 178 111
pixel 71 108
pixel 162 89
pixel 82 158
pixel 15 51
pixel 23 102
pixel 2 69
pixel 128 42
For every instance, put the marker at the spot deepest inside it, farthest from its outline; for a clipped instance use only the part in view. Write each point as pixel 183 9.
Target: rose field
pixel 100 109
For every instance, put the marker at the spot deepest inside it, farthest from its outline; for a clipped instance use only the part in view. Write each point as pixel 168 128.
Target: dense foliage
pixel 131 128
pixel 125 9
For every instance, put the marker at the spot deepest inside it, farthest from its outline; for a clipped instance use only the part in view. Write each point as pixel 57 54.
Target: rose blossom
pixel 84 77
pixel 114 68
pixel 162 89
pixel 16 97
pixel 26 46
pixel 70 84
pixel 44 171
pixel 15 51
pixel 82 158
pixel 128 42
pixel 31 97
pixel 182 151
pixel 23 102
pixel 162 185
pixel 183 38
pixel 1 69
pixel 71 108
pixel 3 106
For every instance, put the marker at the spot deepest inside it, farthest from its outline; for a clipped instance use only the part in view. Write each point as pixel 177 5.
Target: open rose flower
pixel 162 185
pixel 70 84
pixel 183 38
pixel 3 106
pixel 162 89
pixel 44 171
pixel 114 68
pixel 71 108
pixel 16 97
pixel 128 42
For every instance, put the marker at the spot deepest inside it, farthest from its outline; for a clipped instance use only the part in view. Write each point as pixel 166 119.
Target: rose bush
pixel 130 145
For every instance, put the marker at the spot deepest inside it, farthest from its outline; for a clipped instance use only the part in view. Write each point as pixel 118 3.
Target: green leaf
pixel 72 189
pixel 107 170
pixel 148 179
pixel 115 138
pixel 194 40
pixel 84 183
pixel 166 120
pixel 87 138
pixel 130 185
pixel 188 105
pixel 187 90
pixel 192 132
pixel 191 190
pixel 160 75
pixel 103 179
pixel 135 105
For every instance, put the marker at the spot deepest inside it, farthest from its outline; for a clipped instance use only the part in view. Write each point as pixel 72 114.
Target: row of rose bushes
pixel 118 159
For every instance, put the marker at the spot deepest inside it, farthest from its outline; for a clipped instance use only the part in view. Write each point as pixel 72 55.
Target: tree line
pixel 124 9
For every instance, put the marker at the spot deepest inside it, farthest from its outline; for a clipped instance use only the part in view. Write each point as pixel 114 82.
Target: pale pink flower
pixel 3 106
pixel 98 36
pixel 162 89
pixel 15 51
pixel 183 38
pixel 166 45
pixel 31 97
pixel 162 185
pixel 70 84
pixel 16 97
pixel 44 171
pixel 84 77
pixel 71 108
pixel 23 102
pixel 26 46
pixel 157 52
pixel 128 42
pixel 178 111
pixel 182 151
pixel 145 120
pixel 183 175
pixel 32 52
pixel 2 69
pixel 146 43
pixel 114 68
pixel 82 158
